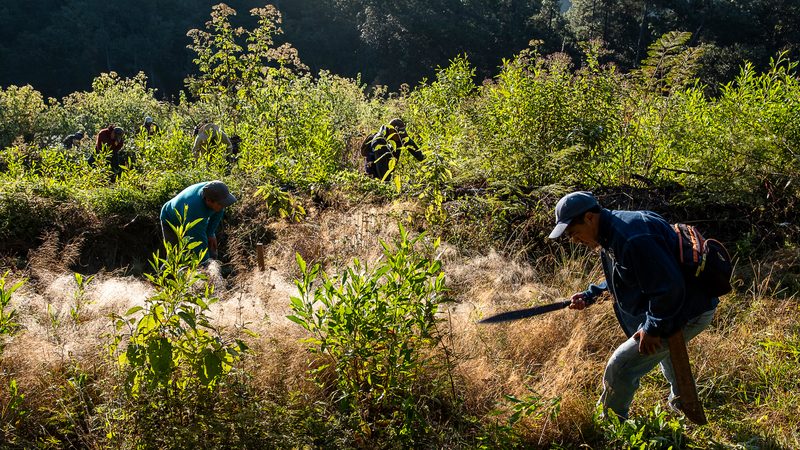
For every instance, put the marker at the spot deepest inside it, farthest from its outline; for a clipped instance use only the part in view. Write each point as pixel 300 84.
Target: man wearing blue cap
pixel 652 299
pixel 206 201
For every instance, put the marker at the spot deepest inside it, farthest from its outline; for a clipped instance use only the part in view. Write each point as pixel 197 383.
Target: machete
pixel 688 401
pixel 529 312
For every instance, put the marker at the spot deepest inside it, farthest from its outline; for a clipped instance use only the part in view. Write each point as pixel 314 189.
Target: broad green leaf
pixel 133 310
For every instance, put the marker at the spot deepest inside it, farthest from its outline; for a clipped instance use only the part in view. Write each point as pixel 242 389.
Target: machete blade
pixel 527 312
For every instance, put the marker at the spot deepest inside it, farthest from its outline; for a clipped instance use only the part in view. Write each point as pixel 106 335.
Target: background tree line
pixel 60 46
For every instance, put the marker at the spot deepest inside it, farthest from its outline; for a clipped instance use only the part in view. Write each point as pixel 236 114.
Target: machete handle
pixel 588 301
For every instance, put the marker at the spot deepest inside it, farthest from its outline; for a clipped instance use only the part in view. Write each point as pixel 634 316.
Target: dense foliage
pixel 539 123
pixel 387 42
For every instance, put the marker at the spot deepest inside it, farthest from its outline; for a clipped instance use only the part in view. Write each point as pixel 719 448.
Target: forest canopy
pixel 387 43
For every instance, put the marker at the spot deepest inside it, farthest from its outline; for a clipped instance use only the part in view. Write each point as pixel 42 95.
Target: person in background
pixel 207 134
pixel 149 126
pixel 387 144
pixel 111 138
pixel 652 299
pixel 73 140
pixel 205 201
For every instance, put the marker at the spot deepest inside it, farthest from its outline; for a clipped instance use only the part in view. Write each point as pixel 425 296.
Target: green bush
pixel 7 314
pixel 173 346
pixel 374 329
pixel 175 363
pixel 12 410
pixel 656 430
pixel 28 208
pixel 21 114
pixel 122 101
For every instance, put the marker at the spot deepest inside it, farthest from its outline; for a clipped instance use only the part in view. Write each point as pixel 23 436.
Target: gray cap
pixel 148 119
pixel 569 207
pixel 218 191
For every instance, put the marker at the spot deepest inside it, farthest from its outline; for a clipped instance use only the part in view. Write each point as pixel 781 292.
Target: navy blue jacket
pixel 639 257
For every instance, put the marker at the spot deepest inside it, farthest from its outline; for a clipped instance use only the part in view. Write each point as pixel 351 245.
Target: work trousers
pixel 627 366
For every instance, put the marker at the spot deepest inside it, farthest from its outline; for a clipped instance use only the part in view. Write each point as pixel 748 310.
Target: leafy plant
pixel 532 405
pixel 655 430
pixel 282 204
pixel 218 60
pixel 435 174
pixel 374 328
pixel 7 315
pixel 670 63
pixel 79 296
pixel 54 321
pixel 173 345
pixel 13 410
pixel 21 110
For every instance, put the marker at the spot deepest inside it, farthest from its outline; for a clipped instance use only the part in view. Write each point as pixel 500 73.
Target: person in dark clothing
pixel 652 298
pixel 387 145
pixel 111 138
pixel 73 140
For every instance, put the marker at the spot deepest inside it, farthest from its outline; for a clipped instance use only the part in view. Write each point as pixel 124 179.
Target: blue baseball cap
pixel 569 207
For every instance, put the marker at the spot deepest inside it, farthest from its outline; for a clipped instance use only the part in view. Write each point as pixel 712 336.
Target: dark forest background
pixel 59 46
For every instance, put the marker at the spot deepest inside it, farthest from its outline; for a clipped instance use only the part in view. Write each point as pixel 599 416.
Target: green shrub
pixel 173 346
pixel 113 99
pixel 7 315
pixel 374 329
pixel 656 430
pixel 12 410
pixel 26 210
pixel 281 204
pixel 21 114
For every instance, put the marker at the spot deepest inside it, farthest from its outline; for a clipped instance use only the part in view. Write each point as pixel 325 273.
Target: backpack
pixel 366 144
pixel 705 261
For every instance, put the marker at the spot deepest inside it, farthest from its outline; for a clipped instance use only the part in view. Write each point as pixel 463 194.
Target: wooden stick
pixel 260 256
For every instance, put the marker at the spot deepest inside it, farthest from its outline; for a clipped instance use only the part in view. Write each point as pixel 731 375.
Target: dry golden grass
pixel 561 354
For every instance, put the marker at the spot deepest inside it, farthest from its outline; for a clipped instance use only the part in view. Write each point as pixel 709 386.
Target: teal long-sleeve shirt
pixel 192 197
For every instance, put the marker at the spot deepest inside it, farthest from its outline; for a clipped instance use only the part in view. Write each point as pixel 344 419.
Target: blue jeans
pixel 627 366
